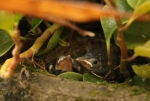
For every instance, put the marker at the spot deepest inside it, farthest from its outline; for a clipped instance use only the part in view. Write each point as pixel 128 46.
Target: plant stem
pixel 111 68
pixel 120 38
pixel 10 64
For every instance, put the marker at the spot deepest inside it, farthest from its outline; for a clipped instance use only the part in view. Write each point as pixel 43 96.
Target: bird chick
pixel 64 63
pixel 89 62
pixel 94 62
pixel 67 64
pixel 60 65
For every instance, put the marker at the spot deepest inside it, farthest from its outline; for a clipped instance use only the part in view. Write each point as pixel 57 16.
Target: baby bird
pixel 94 62
pixel 62 64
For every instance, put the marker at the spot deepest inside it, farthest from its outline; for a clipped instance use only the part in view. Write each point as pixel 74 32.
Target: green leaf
pixel 71 75
pixel 109 25
pixel 5 42
pixel 135 3
pixel 132 3
pixel 138 30
pixel 138 81
pixel 142 71
pixel 89 77
pixel 8 20
pixel 34 23
pixel 143 50
pixel 53 41
pixel 137 34
pixel 63 43
pixel 139 11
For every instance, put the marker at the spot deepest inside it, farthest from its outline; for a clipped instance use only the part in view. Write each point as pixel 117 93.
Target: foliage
pixel 8 20
pixel 136 33
pixel 5 42
pixel 52 42
pixel 133 33
pixel 34 24
pixel 87 77
pixel 71 75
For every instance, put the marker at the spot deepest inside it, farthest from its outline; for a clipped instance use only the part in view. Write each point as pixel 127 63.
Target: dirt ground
pixel 39 87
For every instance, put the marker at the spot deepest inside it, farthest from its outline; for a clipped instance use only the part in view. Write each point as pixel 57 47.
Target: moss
pixel 136 91
pixel 100 93
pixel 148 95
pixel 81 99
pixel 106 93
pixel 94 93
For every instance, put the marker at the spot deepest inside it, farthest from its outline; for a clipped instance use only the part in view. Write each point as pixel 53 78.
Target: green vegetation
pixel 126 21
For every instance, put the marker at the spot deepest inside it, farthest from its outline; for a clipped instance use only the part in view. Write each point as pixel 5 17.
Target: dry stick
pixel 120 38
pixel 10 64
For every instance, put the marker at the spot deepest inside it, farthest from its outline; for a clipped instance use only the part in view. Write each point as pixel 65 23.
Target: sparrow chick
pixel 67 64
pixel 64 63
pixel 89 62
pixel 60 65
pixel 94 62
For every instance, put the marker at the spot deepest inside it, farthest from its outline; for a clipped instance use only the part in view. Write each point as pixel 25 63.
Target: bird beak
pixel 84 62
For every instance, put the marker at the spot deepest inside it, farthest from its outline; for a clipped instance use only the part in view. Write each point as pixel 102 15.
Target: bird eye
pixel 94 62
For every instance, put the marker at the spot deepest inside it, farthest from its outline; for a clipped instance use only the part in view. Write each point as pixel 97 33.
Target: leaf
pixel 139 11
pixel 53 41
pixel 132 3
pixel 34 23
pixel 5 42
pixel 138 30
pixel 89 77
pixel 8 20
pixel 143 70
pixel 137 34
pixel 135 3
pixel 109 25
pixel 71 75
pixel 138 81
pixel 143 50
pixel 63 43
